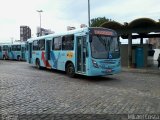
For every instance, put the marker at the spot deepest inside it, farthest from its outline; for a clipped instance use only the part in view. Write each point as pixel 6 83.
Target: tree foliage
pixel 96 22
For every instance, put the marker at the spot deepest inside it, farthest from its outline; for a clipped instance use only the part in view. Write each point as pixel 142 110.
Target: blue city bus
pixel 85 51
pixel 17 51
pixel 4 54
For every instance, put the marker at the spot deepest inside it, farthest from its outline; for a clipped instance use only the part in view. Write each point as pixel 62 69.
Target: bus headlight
pixel 95 64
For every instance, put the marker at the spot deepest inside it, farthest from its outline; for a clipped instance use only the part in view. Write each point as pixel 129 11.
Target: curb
pixel 145 71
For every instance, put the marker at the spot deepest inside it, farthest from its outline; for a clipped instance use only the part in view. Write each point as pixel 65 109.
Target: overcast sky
pixel 58 14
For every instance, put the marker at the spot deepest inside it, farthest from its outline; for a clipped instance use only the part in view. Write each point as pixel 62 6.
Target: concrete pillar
pixel 141 41
pixel 129 50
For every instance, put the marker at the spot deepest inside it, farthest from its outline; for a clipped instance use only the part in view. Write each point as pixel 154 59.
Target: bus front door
pixel 81 54
pixel 48 49
pixel 23 53
pixel 30 52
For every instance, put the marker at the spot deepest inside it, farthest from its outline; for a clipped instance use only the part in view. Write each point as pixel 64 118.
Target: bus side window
pixel 56 43
pixel 13 48
pixel 5 48
pixel 35 45
pixel 42 44
pixel 0 48
pixel 18 47
pixel 68 42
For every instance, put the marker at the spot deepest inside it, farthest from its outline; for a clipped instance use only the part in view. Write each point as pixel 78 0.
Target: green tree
pixel 96 22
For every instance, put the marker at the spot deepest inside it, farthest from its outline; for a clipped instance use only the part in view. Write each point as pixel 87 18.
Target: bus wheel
pixel 38 64
pixel 4 57
pixel 70 70
pixel 18 58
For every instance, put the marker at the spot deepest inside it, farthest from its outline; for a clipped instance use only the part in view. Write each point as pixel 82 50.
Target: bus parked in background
pixel 86 51
pixel 17 51
pixel 13 51
pixel 4 51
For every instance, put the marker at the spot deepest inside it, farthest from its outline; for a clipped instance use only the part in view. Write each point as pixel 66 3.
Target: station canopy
pixel 143 27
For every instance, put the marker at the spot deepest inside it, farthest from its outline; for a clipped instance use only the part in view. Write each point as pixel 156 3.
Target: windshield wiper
pixel 103 42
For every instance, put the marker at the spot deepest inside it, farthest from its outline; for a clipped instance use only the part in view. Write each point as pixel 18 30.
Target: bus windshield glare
pixel 105 47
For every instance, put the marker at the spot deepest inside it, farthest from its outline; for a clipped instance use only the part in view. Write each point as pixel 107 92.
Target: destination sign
pixel 102 32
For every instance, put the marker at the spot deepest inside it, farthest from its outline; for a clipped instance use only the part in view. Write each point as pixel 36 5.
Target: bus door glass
pixel 30 52
pixel 23 52
pixel 26 51
pixel 81 53
pixel 48 49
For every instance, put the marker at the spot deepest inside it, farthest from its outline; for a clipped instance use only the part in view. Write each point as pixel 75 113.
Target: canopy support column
pixel 141 41
pixel 129 50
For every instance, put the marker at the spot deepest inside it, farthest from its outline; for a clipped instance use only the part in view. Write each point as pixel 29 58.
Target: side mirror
pixel 90 40
pixel 90 37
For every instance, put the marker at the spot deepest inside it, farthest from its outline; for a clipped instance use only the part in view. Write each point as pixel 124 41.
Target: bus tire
pixel 38 64
pixel 4 57
pixel 70 70
pixel 18 58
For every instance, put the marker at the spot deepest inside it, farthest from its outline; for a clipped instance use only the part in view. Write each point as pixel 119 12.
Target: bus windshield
pixel 103 47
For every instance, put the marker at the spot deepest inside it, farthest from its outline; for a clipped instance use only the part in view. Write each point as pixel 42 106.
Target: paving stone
pixel 25 90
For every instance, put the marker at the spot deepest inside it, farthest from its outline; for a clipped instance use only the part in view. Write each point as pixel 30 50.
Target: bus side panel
pixel 16 54
pixel 26 55
pixel 37 55
pixel 10 55
pixel 59 58
pixel 13 55
pixel 44 61
pixel 41 56
pixel 55 60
